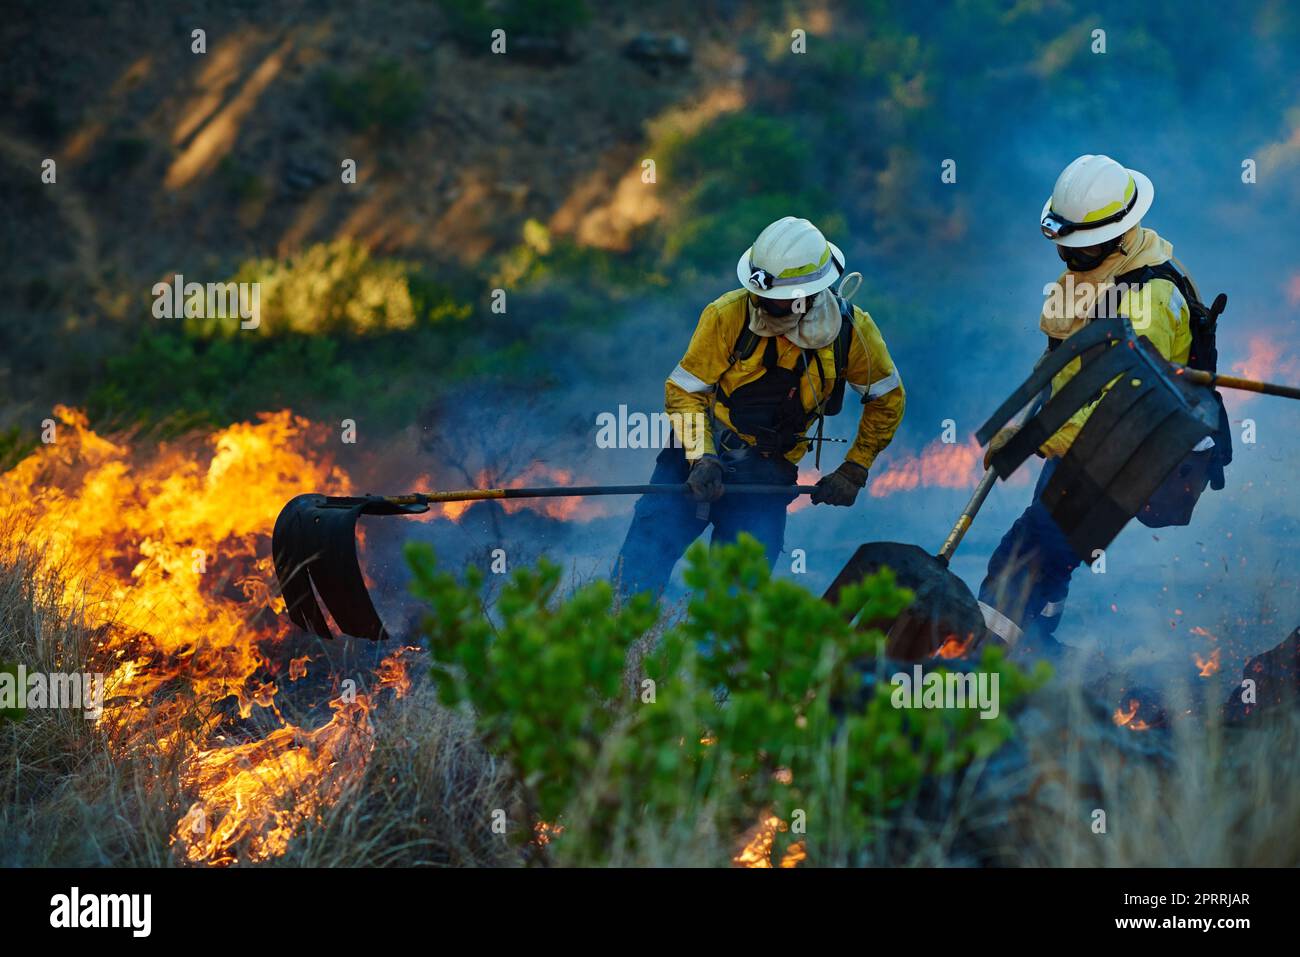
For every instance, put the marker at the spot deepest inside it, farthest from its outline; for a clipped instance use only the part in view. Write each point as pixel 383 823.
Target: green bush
pixel 731 179
pixel 340 331
pixel 737 712
pixel 335 288
pixel 246 185
pixel 585 272
pixel 384 96
pixel 14 446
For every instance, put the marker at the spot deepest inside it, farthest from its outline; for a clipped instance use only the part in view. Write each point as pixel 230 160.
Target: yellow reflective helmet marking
pixel 806 269
pixel 1114 207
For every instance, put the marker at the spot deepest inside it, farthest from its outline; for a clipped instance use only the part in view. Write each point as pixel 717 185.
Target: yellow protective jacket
pixel 692 389
pixel 1158 311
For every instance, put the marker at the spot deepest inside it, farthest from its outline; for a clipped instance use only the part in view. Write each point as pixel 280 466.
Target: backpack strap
pixel 1204 323
pixel 744 346
pixel 844 341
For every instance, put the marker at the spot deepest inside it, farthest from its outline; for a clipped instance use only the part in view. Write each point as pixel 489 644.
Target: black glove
pixel 1003 436
pixel 705 480
pixel 841 487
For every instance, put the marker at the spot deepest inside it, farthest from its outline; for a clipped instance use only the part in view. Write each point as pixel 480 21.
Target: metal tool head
pixel 314 548
pixel 942 608
pixel 1142 427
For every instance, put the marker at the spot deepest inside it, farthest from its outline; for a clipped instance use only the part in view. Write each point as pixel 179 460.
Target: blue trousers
pixel 664 526
pixel 1029 572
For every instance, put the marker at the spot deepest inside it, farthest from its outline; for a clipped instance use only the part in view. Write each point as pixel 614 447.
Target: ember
pixel 1126 718
pixel 756 850
pixel 954 647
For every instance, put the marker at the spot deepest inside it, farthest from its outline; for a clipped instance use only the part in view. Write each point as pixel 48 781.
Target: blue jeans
pixel 664 526
pixel 1029 572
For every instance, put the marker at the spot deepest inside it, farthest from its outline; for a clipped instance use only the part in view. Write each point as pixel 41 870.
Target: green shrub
pixel 736 713
pixel 246 185
pixel 587 272
pixel 731 179
pixel 340 330
pixel 335 288
pixel 384 96
pixel 14 446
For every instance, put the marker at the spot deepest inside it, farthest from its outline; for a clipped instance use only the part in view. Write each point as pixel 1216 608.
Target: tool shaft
pixel 1214 380
pixel 967 516
pixel 984 487
pixel 482 494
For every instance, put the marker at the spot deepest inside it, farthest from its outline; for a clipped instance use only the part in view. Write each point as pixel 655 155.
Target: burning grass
pixel 225 739
pixel 428 789
pixel 154 571
pixel 423 795
pixel 1198 794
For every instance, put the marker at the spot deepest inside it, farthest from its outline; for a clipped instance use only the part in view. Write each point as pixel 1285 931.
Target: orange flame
pixel 537 474
pixel 1207 666
pixel 564 509
pixel 807 476
pixel 1264 360
pixel 167 559
pixel 1129 719
pixel 940 465
pixel 756 849
pixel 954 647
pixel 544 832
pixel 454 510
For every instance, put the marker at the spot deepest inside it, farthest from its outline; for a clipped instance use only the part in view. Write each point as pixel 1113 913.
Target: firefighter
pixel 1112 263
pixel 767 363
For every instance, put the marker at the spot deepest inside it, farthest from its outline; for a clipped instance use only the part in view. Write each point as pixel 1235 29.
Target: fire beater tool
pixel 1150 413
pixel 943 608
pixel 314 545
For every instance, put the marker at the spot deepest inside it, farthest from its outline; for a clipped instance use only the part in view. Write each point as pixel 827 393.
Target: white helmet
pixel 790 259
pixel 1095 199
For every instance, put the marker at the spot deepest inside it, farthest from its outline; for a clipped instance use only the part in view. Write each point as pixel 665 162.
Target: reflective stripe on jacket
pixel 692 387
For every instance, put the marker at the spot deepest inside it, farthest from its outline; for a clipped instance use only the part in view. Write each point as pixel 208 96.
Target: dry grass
pixel 63 799
pixel 426 797
pixel 1196 795
pixel 1221 797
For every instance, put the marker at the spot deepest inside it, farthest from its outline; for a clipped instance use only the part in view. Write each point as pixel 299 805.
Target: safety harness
pixel 770 408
